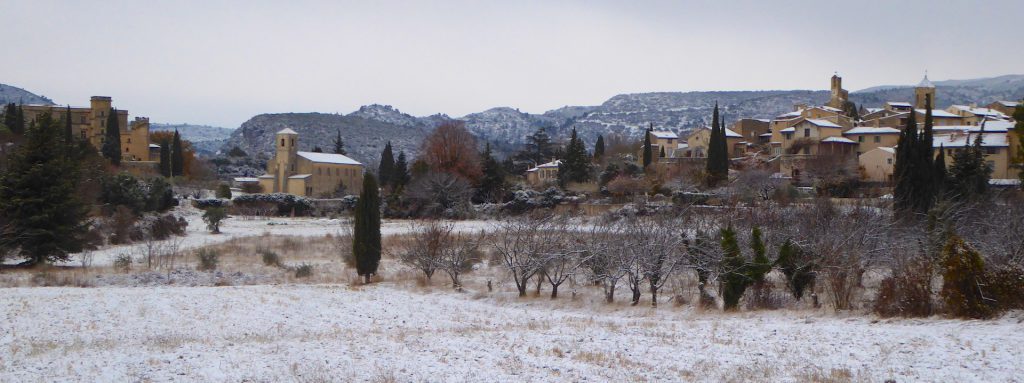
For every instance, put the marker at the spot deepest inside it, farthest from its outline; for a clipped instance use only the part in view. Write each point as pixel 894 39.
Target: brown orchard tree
pixel 451 148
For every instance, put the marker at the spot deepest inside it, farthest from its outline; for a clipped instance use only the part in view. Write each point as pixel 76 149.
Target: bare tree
pixel 461 252
pixel 601 244
pixel 429 239
pixel 515 242
pixel 561 257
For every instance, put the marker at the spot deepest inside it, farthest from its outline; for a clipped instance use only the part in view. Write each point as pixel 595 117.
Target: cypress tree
pixel 112 139
pixel 387 164
pixel 734 272
pixel 339 145
pixel 400 174
pixel 662 153
pixel 970 173
pixel 11 117
pixel 45 218
pixel 647 155
pixel 576 165
pixel 926 180
pixel 940 174
pixel 68 133
pixel 366 245
pixel 177 156
pixel 717 166
pixel 1018 129
pixel 599 148
pixel 492 184
pixel 165 158
pixel 761 265
pixel 905 167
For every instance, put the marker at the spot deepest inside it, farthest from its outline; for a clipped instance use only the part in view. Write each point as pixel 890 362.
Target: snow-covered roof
pixel 994 140
pixel 795 113
pixel 887 149
pixel 980 111
pixel 730 133
pixel 762 120
pixel 873 110
pixel 300 176
pixel 265 176
pixel 765 135
pixel 939 113
pixel 328 158
pixel 788 130
pixel 682 145
pixel 925 83
pixel 823 123
pixel 1009 104
pixel 990 126
pixel 247 179
pixel 154 146
pixel 872 130
pixel 838 140
pixel 287 131
pixel 664 134
pixel 903 104
pixel 830 109
pixel 552 164
pixel 1004 181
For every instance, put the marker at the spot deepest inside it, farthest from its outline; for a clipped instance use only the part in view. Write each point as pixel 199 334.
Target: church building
pixel 309 174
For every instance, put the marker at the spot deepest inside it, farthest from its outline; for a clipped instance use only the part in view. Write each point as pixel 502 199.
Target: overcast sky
pixel 220 63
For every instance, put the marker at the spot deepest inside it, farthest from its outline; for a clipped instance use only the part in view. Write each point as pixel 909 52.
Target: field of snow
pixel 383 333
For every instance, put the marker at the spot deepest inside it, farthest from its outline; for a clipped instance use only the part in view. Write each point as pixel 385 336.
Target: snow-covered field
pixel 313 333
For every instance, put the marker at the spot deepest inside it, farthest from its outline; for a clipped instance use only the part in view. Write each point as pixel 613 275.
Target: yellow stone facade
pixel 309 174
pixel 90 123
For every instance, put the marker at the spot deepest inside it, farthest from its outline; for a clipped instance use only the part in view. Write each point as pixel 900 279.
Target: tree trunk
pixel 554 291
pixel 609 293
pixel 366 279
pixel 636 297
pixel 654 296
pixel 540 282
pixel 522 288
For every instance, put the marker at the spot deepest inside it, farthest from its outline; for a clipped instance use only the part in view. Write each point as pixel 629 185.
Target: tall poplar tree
pixel 46 220
pixel 339 145
pixel 366 244
pixel 387 165
pixel 717 166
pixel 905 166
pixel 648 155
pixel 177 156
pixel 112 139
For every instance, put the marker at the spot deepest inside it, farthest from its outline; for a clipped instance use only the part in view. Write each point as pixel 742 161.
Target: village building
pixel 1004 107
pixel 698 141
pixel 90 123
pixel 309 174
pixel 877 165
pixel 543 173
pixel 973 115
pixel 753 130
pixel 870 138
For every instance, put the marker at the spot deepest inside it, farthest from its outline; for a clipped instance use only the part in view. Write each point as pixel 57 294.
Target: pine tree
pixel 339 145
pixel 647 154
pixel 400 174
pixel 165 158
pixel 387 165
pixel 717 166
pixel 366 244
pixel 599 148
pixel 576 164
pixel 538 147
pixel 112 139
pixel 761 265
pixel 45 218
pixel 177 156
pixel 492 184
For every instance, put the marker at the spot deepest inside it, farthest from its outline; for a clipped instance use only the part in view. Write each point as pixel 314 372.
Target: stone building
pixel 90 123
pixel 309 174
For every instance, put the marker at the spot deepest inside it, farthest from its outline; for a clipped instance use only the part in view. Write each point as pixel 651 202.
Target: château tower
pixel 286 143
pixel 839 95
pixel 923 89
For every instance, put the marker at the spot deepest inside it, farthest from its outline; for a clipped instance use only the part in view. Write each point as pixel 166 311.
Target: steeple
pixel 924 89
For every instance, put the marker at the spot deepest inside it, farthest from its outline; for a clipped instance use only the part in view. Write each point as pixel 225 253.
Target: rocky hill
pixel 207 140
pixel 9 94
pixel 981 91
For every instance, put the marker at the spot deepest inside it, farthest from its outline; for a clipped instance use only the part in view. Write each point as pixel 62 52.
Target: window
pixel 282 142
pixel 878 139
pixel 83 119
pixel 991 150
pixel 888 161
pixel 860 138
pixel 129 140
pixel 807 132
pixel 293 142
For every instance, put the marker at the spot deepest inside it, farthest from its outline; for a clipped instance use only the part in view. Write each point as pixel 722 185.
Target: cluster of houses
pixel 792 142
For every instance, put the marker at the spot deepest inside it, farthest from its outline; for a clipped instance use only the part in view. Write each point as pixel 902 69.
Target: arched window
pixel 282 142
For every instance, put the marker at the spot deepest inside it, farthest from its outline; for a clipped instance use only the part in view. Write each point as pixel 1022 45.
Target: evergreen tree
pixel 11 117
pixel 717 166
pixel 1018 129
pixel 339 145
pixel 177 156
pixel 492 184
pixel 903 170
pixel 599 148
pixel 970 173
pixel 940 174
pixel 387 165
pixel 317 149
pixel 68 132
pixel 576 164
pixel 926 179
pixel 45 218
pixel 761 265
pixel 799 275
pixel 963 279
pixel 112 139
pixel 647 154
pixel 400 174
pixel 366 244
pixel 538 147
pixel 734 278
pixel 165 158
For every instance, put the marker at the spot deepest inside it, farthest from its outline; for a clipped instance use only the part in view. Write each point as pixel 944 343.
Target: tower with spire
pixel 924 89
pixel 839 95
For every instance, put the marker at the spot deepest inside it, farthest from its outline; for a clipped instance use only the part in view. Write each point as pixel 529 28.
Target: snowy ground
pixel 313 333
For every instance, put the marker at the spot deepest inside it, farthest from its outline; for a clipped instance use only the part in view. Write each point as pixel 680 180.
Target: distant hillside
pixel 364 132
pixel 9 94
pixel 207 140
pixel 981 91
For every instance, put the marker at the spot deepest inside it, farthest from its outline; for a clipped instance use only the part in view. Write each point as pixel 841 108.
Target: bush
pixel 798 270
pixel 963 271
pixel 208 203
pixel 304 270
pixel 213 216
pixel 252 188
pixel 270 258
pixel 286 204
pixel 907 292
pixel 161 197
pixel 123 263
pixel 224 191
pixel 208 259
pixel 164 226
pixel 123 190
pixel 1005 284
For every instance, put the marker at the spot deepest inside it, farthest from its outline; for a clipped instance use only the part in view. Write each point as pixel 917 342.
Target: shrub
pixel 270 258
pixel 798 271
pixel 252 188
pixel 286 204
pixel 208 203
pixel 304 270
pixel 1005 285
pixel 123 263
pixel 161 197
pixel 224 191
pixel 907 292
pixel 213 216
pixel 208 259
pixel 164 226
pixel 123 190
pixel 963 271
pixel 734 276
